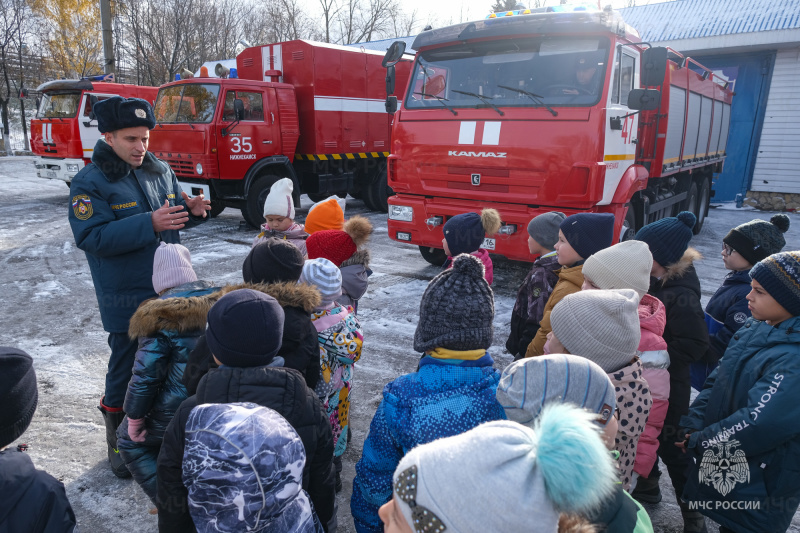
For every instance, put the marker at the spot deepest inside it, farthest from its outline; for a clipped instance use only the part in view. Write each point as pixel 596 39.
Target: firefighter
pixel 122 206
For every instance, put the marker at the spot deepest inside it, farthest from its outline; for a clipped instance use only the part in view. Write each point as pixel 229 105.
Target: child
pixel 603 326
pixel 344 248
pixel 674 281
pixel 167 328
pixel 327 214
pixel 244 335
pixel 530 385
pixel 538 284
pixel 464 234
pixel 727 311
pixel 579 236
pixel 274 267
pixel 243 471
pixel 279 212
pixel 504 477
pixel 627 265
pixel 340 340
pixel 33 500
pixel 453 390
pixel 742 427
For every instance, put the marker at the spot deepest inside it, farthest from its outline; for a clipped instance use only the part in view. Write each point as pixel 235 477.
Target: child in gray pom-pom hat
pixel 453 390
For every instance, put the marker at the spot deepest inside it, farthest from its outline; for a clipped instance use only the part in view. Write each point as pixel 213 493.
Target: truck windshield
pixel 59 105
pixel 188 102
pixel 559 72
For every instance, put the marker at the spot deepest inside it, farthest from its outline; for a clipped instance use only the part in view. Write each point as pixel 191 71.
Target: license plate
pixel 403 236
pixel 50 174
pixel 488 244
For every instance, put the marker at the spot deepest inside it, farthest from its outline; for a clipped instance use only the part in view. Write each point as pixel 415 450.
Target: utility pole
pixel 109 64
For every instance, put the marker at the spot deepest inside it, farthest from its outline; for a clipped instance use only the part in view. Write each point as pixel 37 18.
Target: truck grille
pixel 182 168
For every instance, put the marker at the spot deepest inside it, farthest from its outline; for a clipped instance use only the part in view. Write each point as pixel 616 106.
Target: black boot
pixel 647 489
pixel 113 418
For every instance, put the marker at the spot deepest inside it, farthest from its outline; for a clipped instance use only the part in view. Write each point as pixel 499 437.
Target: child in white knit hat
pixel 340 341
pixel 627 265
pixel 504 477
pixel 279 215
pixel 603 326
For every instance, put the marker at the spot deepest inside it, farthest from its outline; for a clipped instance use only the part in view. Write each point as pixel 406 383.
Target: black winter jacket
pixel 281 389
pixel 33 500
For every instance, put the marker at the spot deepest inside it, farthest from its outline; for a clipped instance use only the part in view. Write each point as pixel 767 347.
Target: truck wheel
pixel 691 199
pixel 253 210
pixel 629 225
pixel 434 256
pixel 317 196
pixel 217 207
pixel 380 190
pixel 703 200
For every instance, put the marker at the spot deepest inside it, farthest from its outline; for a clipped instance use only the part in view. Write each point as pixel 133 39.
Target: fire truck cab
pixel 64 132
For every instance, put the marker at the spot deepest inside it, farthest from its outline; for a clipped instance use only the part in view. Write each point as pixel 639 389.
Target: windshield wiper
pixel 484 99
pixel 535 97
pixel 441 101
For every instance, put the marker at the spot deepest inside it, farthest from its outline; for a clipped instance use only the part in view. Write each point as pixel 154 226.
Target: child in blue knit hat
pixel 579 236
pixel 674 281
pixel 464 234
pixel 743 246
pixel 742 428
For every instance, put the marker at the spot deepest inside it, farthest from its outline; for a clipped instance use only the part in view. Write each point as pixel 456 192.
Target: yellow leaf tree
pixel 71 36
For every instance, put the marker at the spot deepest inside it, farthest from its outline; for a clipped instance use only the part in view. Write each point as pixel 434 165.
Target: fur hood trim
pixel 287 293
pixel 574 524
pixel 361 257
pixel 171 314
pixel 677 270
pixel 115 169
pixel 359 229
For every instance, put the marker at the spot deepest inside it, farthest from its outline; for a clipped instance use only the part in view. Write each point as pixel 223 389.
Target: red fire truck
pixel 312 112
pixel 63 133
pixel 550 109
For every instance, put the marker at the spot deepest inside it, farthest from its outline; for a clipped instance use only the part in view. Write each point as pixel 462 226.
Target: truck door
pixel 251 139
pixel 620 133
pixel 88 127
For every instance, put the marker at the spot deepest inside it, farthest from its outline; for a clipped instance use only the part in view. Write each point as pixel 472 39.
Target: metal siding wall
pixel 778 164
pixel 692 127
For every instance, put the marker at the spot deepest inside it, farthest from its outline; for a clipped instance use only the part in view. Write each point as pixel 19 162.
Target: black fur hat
pixel 117 113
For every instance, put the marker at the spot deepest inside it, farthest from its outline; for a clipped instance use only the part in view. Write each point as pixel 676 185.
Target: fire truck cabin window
pixel 253 106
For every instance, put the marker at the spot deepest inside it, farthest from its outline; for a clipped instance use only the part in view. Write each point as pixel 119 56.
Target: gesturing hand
pixel 197 205
pixel 166 217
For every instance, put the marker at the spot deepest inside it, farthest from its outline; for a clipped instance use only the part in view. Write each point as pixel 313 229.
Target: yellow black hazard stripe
pixel 336 157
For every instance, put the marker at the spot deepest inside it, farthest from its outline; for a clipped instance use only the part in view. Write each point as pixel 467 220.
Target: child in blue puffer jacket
pixel 167 328
pixel 742 427
pixel 452 392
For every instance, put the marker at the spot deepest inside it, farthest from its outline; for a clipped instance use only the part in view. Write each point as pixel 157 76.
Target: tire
pixel 382 189
pixel 691 200
pixel 253 210
pixel 434 256
pixel 629 225
pixel 369 198
pixel 317 196
pixel 703 201
pixel 217 207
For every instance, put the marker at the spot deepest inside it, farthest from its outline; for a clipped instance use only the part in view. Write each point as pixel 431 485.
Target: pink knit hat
pixel 172 266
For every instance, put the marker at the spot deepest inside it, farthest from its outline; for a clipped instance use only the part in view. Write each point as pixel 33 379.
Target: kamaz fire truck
pixel 312 112
pixel 64 132
pixel 550 109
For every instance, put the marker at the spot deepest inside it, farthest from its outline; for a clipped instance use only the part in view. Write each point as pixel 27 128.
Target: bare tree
pixel 365 20
pixel 404 24
pixel 11 17
pixel 330 11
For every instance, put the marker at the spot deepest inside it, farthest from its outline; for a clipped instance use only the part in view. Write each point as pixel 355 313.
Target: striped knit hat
pixel 779 274
pixel 325 276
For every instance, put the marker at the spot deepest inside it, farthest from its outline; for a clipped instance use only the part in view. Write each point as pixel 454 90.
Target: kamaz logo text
pixel 456 153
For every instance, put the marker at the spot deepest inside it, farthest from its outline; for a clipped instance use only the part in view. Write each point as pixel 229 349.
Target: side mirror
pixel 644 99
pixel 391 104
pixel 238 109
pixel 390 79
pixel 394 53
pixel 654 66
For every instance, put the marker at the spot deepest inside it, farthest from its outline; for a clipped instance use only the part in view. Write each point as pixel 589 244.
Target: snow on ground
pixel 50 311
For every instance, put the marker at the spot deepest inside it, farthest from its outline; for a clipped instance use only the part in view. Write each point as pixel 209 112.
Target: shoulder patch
pixel 82 207
pixel 740 318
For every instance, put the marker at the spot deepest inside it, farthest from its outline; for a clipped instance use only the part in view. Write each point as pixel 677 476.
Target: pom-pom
pixel 688 218
pixel 469 265
pixel 576 466
pixel 490 220
pixel 359 229
pixel 780 221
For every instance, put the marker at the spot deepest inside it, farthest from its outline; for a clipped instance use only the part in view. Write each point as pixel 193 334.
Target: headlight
pixel 72 167
pixel 401 212
pixel 199 168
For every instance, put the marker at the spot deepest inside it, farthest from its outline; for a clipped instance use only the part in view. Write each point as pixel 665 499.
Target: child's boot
pixel 647 489
pixel 113 418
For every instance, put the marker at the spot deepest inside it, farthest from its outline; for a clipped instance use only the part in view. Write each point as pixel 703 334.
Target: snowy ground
pixel 50 311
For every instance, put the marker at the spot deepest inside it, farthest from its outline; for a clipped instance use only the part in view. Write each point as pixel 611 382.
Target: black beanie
pixel 669 237
pixel 758 239
pixel 245 328
pixel 117 113
pixel 588 233
pixel 18 394
pixel 273 261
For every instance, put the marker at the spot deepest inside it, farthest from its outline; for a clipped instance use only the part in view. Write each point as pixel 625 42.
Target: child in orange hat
pixel 327 214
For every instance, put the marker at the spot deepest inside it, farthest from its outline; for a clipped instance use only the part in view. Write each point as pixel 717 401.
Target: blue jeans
pixel 120 368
